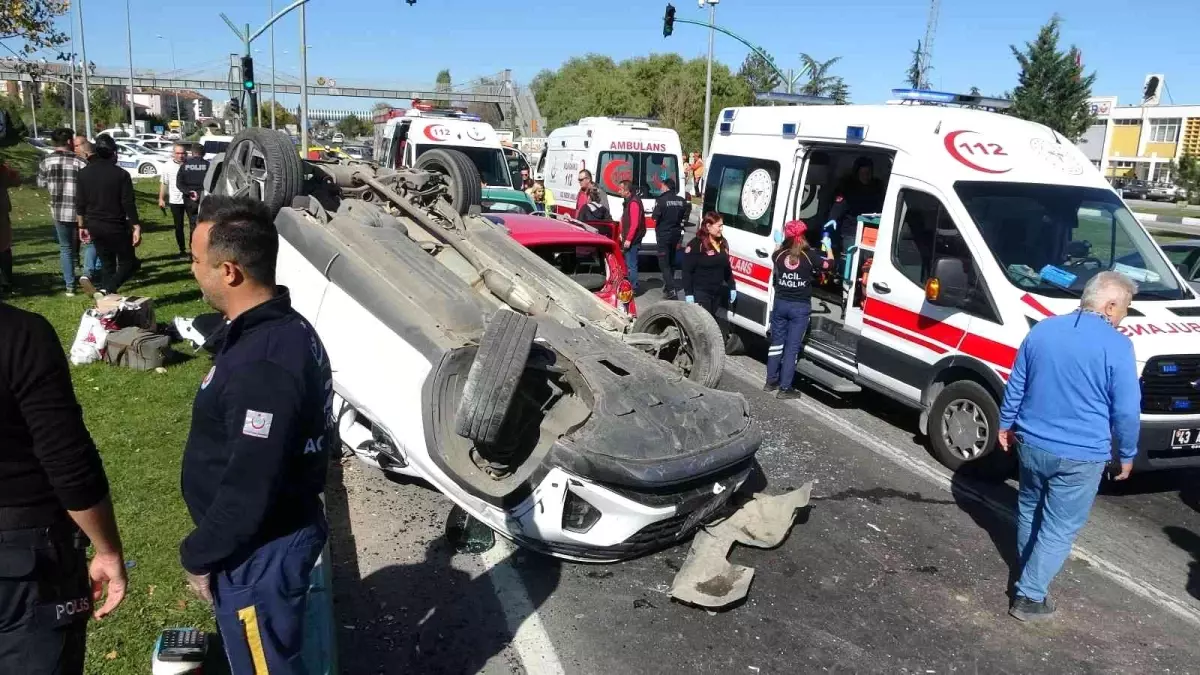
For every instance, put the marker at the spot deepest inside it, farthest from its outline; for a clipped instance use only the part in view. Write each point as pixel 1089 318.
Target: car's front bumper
pixel 1154 443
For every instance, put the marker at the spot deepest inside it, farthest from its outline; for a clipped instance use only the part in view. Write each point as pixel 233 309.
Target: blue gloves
pixel 690 298
pixel 732 296
pixel 778 236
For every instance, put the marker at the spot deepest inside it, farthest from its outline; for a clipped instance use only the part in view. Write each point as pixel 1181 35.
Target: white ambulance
pixel 987 225
pixel 403 135
pixel 614 149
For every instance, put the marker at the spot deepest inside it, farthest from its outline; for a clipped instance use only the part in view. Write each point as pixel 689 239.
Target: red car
pixel 593 260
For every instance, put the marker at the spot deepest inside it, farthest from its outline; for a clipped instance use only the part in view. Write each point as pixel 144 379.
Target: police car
pixel 613 149
pixel 988 224
pixel 140 162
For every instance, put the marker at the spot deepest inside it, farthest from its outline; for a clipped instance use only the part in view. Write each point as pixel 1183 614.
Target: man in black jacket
pixel 190 181
pixel 52 486
pixel 633 228
pixel 108 214
pixel 256 455
pixel 670 212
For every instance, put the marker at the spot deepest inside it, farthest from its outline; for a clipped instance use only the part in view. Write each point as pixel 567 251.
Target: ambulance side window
pixel 742 190
pixel 926 232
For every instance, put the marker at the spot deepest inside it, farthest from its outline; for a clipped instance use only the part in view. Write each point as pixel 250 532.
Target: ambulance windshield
pixel 1051 239
pixel 491 163
pixel 648 171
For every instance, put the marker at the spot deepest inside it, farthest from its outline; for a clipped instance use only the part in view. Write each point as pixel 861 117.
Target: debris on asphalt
pixel 707 578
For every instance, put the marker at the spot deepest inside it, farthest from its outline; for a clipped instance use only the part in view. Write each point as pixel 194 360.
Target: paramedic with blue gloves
pixel 795 265
pixel 255 462
pixel 1078 358
pixel 859 193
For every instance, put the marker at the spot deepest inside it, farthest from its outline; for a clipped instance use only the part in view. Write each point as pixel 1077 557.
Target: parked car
pixel 1161 192
pixel 214 145
pixel 140 161
pixel 468 361
pixel 1136 189
pixel 591 259
pixel 506 200
pixel 40 145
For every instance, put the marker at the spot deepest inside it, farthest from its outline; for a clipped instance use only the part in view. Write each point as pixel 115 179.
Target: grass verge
pixel 138 420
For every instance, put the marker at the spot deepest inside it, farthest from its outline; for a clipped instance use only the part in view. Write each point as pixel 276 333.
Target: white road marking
pixel 530 639
pixel 941 477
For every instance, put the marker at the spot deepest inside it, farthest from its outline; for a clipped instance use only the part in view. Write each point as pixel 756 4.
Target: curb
pixel 1158 218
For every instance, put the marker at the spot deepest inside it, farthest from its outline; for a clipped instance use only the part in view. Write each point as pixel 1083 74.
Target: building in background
pixel 1141 140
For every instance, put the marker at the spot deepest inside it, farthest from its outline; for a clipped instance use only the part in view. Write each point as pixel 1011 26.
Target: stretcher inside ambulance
pixel 954 230
pixel 613 149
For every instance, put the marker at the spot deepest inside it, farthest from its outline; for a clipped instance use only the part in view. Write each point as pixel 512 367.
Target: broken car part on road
pixel 464 359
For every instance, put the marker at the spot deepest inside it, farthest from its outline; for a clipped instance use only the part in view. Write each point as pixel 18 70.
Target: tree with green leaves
pixel 283 116
pixel 353 125
pixel 442 85
pixel 975 91
pixel 1051 87
pixel 839 91
pixel 1185 171
pixel 759 73
pixel 820 81
pixel 914 76
pixel 33 22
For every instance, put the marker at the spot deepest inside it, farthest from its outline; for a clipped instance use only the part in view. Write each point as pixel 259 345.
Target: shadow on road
pixel 1190 542
pixel 429 616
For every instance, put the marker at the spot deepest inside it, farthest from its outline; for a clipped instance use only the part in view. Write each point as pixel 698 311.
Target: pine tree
pixel 1051 88
pixel 839 91
pixel 759 73
pixel 913 76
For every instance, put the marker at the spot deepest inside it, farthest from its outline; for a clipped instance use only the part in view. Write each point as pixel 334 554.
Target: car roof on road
pixel 531 230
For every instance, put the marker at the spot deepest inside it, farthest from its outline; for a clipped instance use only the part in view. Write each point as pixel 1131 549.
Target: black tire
pixel 702 357
pixel 494 376
pixel 959 407
pixel 262 164
pixel 461 175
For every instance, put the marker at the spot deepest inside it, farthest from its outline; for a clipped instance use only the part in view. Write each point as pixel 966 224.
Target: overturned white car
pixel 466 360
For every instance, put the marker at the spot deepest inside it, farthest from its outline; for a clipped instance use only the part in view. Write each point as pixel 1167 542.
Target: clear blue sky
pixel 390 43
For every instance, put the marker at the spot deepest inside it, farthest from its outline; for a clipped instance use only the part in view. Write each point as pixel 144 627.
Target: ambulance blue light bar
pixel 789 128
pixel 856 134
pixel 725 127
pixel 947 98
pixel 728 114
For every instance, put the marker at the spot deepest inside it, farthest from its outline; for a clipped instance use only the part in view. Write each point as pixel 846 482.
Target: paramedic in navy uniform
pixel 255 461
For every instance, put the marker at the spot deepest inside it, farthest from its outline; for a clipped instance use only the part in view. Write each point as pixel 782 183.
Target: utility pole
pixel 74 121
pixel 303 82
pixel 273 103
pixel 87 106
pixel 32 109
pixel 129 40
pixel 712 20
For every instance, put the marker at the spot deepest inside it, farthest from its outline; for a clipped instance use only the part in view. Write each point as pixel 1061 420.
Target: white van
pixel 404 135
pixel 613 149
pixel 988 224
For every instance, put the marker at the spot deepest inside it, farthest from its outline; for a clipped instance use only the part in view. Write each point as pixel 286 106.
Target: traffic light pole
pixel 763 55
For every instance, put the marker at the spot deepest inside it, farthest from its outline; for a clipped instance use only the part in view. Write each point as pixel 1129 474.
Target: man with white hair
pixel 1073 389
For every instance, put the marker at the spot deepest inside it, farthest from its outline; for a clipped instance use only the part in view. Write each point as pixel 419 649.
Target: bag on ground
pixel 90 339
pixel 137 348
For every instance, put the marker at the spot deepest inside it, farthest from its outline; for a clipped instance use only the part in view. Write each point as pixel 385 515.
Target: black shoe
pixel 1024 609
pixel 771 387
pixel 787 394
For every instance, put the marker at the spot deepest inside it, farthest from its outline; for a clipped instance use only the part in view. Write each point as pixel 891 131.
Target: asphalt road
pixel 1138 204
pixel 896 567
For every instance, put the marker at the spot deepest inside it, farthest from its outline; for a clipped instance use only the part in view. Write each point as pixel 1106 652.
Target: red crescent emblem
pixel 429 132
pixel 951 147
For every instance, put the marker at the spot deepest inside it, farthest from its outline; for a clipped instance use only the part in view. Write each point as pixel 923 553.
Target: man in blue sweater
pixel 1073 390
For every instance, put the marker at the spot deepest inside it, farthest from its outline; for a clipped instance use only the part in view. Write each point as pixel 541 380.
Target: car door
pixel 744 190
pixel 903 335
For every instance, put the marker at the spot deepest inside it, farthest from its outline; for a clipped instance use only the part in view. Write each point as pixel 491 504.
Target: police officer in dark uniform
pixel 670 213
pixel 53 498
pixel 254 466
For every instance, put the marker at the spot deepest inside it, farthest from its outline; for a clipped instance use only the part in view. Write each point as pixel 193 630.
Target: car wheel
pixel 963 422
pixel 460 174
pixel 698 351
pixel 261 164
pixel 147 169
pixel 492 381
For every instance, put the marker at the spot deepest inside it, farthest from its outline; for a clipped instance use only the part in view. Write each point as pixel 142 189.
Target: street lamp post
pixel 129 45
pixel 273 103
pixel 712 20
pixel 87 106
pixel 178 112
pixel 74 119
pixel 303 81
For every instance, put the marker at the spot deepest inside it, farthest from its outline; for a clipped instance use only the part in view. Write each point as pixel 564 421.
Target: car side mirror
pixel 949 284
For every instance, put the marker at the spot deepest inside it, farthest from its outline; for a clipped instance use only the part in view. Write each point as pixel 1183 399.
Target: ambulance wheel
pixel 261 164
pixel 699 348
pixel 492 381
pixel 962 426
pixel 460 174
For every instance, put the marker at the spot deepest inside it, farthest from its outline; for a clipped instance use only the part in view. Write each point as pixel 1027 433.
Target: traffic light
pixel 248 73
pixel 669 20
pixel 235 107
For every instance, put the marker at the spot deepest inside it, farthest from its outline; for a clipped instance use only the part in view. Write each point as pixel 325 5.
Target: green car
pixel 506 200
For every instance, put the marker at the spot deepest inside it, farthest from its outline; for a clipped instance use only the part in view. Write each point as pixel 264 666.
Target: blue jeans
pixel 1053 504
pixel 68 250
pixel 260 604
pixel 631 266
pixel 789 322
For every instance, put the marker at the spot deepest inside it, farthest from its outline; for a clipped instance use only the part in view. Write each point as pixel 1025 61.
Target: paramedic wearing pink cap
pixel 794 263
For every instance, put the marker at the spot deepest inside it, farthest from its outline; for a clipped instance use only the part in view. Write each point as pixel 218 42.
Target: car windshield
pixel 501 205
pixel 493 168
pixel 648 171
pixel 214 147
pixel 1051 239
